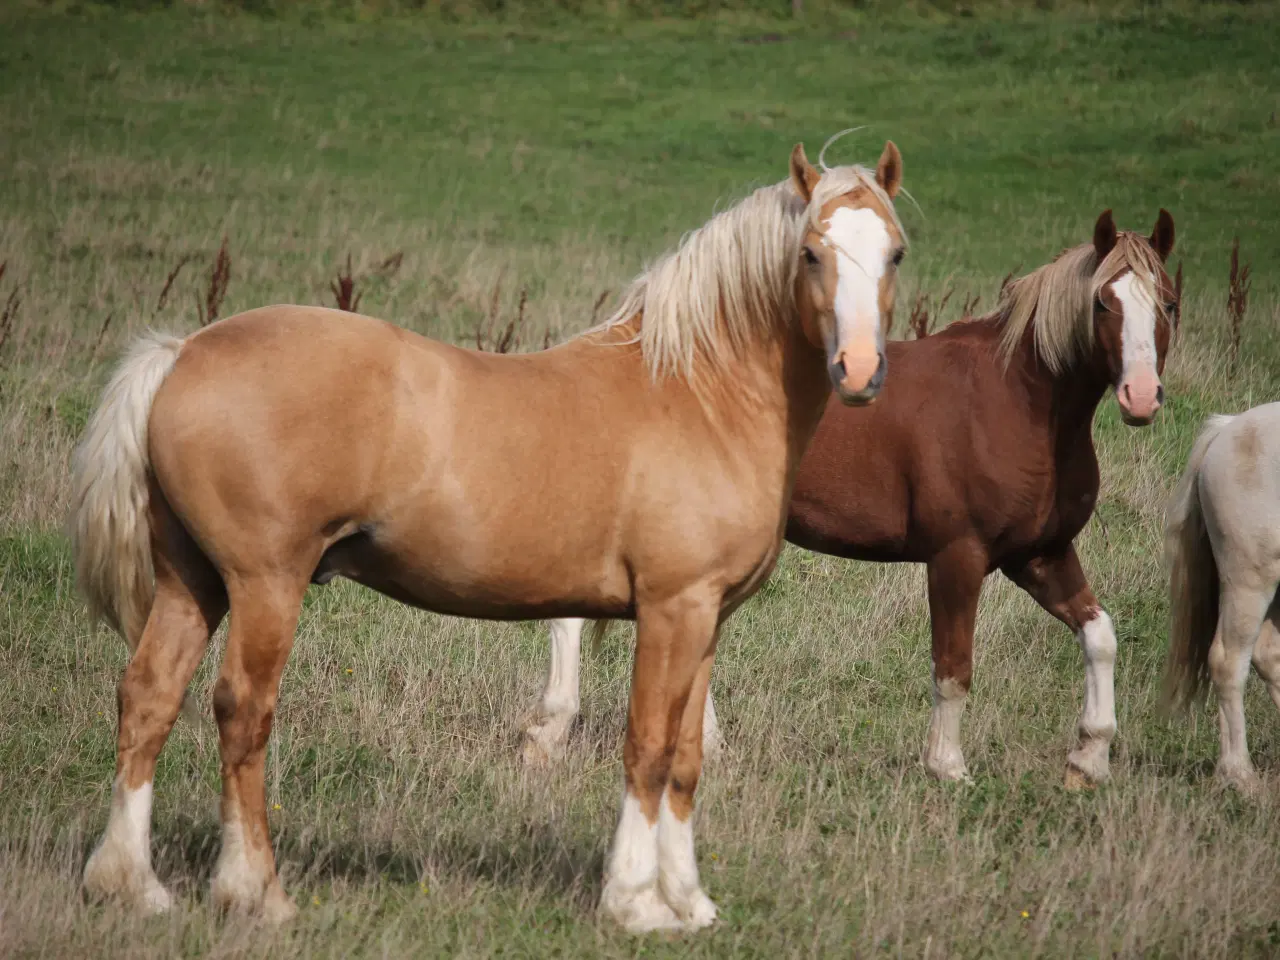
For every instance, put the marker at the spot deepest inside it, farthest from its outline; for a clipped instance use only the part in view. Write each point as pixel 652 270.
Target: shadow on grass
pixel 530 856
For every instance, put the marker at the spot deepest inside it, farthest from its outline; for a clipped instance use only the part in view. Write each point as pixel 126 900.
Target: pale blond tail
pixel 1193 581
pixel 110 535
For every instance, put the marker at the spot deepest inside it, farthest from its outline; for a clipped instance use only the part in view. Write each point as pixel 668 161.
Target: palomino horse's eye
pixel 898 255
pixel 1098 305
pixel 810 257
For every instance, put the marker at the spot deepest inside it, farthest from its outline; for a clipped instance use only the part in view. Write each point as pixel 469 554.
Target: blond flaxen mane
pixel 1058 299
pixel 733 279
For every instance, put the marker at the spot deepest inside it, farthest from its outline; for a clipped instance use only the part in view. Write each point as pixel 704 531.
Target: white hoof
pixel 277 907
pixel 1242 778
pixel 699 913
pixel 111 874
pixel 639 911
pixel 546 740
pixel 949 768
pixel 1085 772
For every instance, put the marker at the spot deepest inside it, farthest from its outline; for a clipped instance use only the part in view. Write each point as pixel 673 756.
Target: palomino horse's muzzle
pixel 858 383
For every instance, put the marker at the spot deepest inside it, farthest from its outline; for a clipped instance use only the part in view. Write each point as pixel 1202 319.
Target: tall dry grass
pixel 406 825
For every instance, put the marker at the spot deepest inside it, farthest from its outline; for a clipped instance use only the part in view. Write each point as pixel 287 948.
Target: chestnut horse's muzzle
pixel 1140 398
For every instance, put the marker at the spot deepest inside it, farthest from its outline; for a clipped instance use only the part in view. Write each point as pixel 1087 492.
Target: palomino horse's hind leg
pixel 651 879
pixel 955 581
pixel 547 734
pixel 1058 584
pixel 1242 608
pixel 189 603
pixel 264 615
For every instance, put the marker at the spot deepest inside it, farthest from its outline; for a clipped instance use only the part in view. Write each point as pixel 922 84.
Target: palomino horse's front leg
pixel 547 734
pixel 651 879
pixel 955 581
pixel 1058 584
pixel 186 610
pixel 264 615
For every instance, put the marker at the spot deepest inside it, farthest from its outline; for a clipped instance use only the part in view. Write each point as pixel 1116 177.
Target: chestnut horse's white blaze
pixel 1139 392
pixel 290 445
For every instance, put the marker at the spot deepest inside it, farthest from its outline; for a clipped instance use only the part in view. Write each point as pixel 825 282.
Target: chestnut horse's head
pixel 1135 310
pixel 849 256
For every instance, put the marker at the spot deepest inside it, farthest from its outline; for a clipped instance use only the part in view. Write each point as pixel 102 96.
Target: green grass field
pixel 549 159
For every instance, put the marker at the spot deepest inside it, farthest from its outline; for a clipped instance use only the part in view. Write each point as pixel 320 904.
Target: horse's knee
pixel 244 723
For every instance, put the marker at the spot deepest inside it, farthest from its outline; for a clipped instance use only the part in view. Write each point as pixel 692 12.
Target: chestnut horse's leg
pixel 264 615
pixel 1057 583
pixel 651 879
pixel 547 733
pixel 955 581
pixel 188 606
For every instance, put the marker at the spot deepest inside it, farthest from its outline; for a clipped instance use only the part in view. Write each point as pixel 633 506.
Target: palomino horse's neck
pixel 777 380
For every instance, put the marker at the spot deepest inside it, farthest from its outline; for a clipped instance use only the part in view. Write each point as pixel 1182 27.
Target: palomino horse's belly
pixel 455 591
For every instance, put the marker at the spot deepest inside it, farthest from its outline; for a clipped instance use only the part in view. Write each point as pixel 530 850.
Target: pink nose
pixel 858 373
pixel 1140 396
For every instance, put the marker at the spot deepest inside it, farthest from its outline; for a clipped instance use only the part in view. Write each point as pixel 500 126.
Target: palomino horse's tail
pixel 110 534
pixel 1193 581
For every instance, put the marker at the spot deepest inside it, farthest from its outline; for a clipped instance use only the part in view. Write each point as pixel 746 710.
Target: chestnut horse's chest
pixel 1055 507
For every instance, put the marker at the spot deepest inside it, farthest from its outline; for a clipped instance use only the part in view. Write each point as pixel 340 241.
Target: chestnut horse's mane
pixel 1058 299
pixel 731 279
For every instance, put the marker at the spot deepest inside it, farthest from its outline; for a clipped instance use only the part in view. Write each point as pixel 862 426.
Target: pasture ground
pixel 553 158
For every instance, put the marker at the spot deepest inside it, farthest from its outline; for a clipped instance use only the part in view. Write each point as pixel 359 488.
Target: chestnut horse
pixel 979 457
pixel 292 444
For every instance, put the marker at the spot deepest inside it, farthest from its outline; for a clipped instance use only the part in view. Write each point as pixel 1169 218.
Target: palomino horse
pixel 1225 568
pixel 213 464
pixel 979 457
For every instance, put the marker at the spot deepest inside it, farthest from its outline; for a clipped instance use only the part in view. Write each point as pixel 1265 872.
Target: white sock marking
pixel 633 861
pixel 943 756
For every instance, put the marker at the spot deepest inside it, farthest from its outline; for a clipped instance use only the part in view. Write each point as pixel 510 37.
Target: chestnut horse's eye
pixel 1171 310
pixel 898 255
pixel 810 257
pixel 1098 305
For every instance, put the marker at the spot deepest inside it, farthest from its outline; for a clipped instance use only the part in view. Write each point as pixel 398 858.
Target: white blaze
pixel 860 241
pixel 1138 334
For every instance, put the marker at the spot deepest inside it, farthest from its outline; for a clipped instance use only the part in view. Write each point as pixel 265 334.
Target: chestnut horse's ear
pixel 804 175
pixel 1162 236
pixel 889 169
pixel 1104 235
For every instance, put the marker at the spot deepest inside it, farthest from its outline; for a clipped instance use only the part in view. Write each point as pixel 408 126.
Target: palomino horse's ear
pixel 804 175
pixel 1162 236
pixel 1104 235
pixel 889 169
